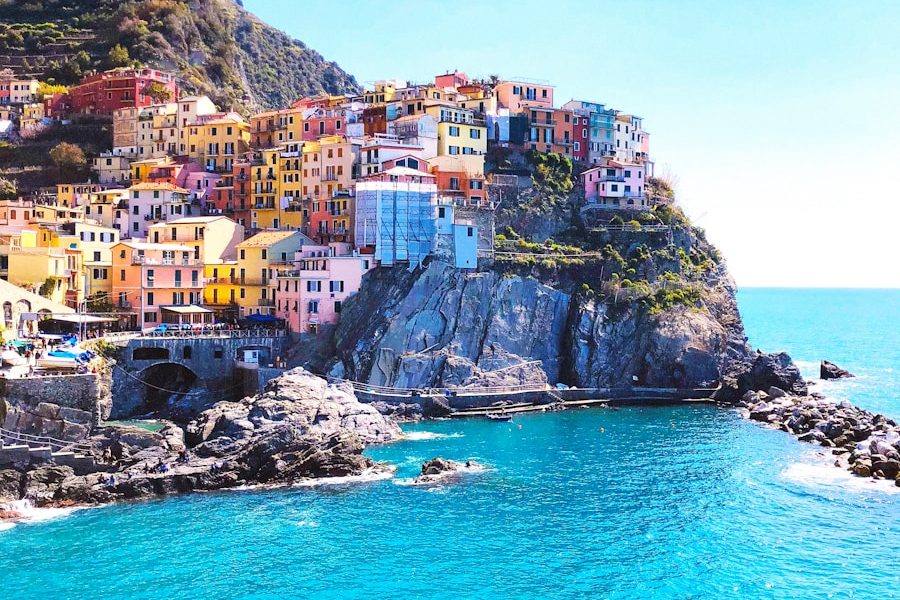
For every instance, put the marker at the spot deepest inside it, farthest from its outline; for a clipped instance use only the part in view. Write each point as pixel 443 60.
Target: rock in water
pixel 829 370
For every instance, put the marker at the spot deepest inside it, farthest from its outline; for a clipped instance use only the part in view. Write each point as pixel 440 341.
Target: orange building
pixel 159 282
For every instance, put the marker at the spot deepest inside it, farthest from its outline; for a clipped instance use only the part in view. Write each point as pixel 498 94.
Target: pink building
pixel 616 185
pixel 200 185
pixel 325 276
pixel 321 121
pixel 161 283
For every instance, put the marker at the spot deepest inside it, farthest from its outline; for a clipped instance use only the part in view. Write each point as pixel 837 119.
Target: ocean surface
pixel 671 502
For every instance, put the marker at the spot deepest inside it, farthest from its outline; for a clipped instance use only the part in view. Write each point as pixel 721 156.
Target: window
pixel 122 275
pixel 187 352
pixel 470 231
pixel 338 306
pixel 335 286
pixel 150 298
pixel 264 254
pixel 454 150
pixel 313 307
pixel 218 352
pixel 475 134
pixel 454 131
pixel 242 254
pixel 313 285
pixel 442 212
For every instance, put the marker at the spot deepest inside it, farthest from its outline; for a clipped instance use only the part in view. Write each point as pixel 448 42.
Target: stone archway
pixel 166 389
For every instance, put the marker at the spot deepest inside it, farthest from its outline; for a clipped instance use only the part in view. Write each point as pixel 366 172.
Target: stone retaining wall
pixel 65 407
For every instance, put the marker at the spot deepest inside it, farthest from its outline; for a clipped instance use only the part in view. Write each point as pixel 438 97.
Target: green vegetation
pixel 7 189
pixel 68 157
pixel 215 46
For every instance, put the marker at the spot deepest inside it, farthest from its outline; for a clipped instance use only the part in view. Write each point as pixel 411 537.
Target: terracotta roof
pixel 159 186
pixel 267 238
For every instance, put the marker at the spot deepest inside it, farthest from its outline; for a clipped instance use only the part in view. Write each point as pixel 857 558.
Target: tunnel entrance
pixel 167 391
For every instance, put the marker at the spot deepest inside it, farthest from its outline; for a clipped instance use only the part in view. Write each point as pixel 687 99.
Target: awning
pixel 81 319
pixel 191 309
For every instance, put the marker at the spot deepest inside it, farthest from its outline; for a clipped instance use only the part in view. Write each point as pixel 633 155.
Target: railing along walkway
pixel 39 440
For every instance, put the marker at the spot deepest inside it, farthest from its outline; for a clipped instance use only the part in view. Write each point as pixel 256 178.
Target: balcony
pixel 612 178
pixel 166 262
pixel 264 205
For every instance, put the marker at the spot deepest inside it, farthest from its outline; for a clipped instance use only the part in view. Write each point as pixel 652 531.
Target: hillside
pixel 575 296
pixel 216 47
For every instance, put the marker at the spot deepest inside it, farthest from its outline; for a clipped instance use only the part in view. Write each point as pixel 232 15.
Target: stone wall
pixel 65 407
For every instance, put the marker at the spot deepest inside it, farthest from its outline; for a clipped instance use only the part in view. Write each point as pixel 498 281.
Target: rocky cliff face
pixel 441 326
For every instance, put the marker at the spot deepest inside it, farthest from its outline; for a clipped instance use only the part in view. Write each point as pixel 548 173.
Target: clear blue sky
pixel 780 121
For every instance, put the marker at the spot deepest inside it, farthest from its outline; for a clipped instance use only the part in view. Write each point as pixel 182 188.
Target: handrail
pixel 222 333
pixel 366 387
pixel 44 440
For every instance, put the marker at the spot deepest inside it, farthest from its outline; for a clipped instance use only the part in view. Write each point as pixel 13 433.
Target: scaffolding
pixel 398 219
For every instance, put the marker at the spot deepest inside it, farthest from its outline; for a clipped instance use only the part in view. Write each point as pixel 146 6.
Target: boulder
pixel 435 407
pixel 42 484
pixel 10 485
pixel 829 370
pixel 773 370
pixel 435 466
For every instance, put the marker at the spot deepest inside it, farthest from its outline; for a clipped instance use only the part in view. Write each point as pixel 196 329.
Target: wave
pixel 367 476
pixel 29 513
pixel 440 480
pixel 824 475
pixel 417 436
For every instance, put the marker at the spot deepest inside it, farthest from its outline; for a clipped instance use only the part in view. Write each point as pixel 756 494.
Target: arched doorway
pixel 167 391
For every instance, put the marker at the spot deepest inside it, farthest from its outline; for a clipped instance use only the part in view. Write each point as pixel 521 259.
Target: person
pixel 182 456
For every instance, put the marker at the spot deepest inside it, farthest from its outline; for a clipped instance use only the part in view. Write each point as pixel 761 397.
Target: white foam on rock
pixel 823 475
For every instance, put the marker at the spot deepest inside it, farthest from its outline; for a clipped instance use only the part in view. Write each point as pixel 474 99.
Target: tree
pixel 46 90
pixel 118 56
pixel 159 93
pixel 68 157
pixel 7 189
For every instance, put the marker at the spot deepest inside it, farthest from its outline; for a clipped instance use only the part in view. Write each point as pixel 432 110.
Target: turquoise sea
pixel 665 502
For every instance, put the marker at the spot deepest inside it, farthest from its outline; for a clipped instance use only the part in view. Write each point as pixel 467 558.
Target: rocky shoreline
pixel 300 428
pixel 865 443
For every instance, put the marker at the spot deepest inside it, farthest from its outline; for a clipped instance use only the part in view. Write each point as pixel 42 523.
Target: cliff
pixel 215 46
pixel 651 305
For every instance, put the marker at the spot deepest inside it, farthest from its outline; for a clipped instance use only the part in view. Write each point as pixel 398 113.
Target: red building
pixel 580 137
pixel 375 119
pixel 102 93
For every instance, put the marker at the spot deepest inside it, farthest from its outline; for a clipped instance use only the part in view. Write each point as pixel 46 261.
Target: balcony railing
pixel 165 262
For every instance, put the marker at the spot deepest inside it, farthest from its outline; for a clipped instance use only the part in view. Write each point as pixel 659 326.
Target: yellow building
pixel 51 272
pixel 276 127
pixel 217 141
pixel 70 194
pixel 271 196
pixel 213 238
pixel 251 281
pixel 47 213
pixel 459 132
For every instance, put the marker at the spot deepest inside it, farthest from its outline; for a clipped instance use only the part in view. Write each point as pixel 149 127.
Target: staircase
pixel 24 449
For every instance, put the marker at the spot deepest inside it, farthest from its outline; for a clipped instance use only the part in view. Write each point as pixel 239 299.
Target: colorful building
pixel 158 281
pixel 103 93
pixel 520 95
pixel 250 283
pixel 459 131
pixel 153 202
pixel 217 141
pixel 312 294
pixel 616 185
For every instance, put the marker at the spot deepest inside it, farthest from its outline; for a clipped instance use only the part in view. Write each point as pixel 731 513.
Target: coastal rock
pixel 773 370
pixel 41 485
pixel 299 427
pixel 399 412
pixel 10 485
pixel 438 470
pixel 829 370
pixel 444 327
pixel 435 407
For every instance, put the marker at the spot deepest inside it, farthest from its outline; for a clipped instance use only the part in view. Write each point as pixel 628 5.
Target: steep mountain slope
pixel 215 46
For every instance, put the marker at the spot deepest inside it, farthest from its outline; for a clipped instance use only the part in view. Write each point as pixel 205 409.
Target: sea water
pixel 683 501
